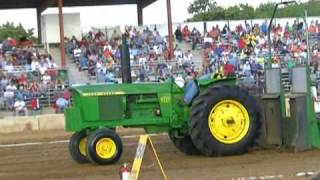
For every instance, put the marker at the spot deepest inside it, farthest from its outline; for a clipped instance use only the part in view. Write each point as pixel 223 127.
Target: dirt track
pixel 52 161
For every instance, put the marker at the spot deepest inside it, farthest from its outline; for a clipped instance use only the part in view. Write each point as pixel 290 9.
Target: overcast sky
pixel 115 15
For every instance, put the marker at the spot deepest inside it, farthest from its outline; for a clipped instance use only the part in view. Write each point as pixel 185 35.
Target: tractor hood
pixel 121 89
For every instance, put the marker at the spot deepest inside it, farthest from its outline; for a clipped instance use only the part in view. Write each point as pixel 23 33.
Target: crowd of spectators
pixel 26 77
pixel 244 50
pixel 149 54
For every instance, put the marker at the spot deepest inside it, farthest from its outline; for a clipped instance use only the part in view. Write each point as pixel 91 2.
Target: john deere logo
pixel 103 93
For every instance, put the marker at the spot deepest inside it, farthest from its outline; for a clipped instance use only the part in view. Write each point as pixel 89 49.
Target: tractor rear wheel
pixel 184 144
pixel 104 146
pixel 77 147
pixel 224 120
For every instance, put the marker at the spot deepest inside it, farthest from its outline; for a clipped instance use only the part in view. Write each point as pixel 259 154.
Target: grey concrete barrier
pixel 32 123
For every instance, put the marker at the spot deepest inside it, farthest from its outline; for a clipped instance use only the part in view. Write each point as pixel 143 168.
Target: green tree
pixel 246 11
pixel 201 6
pixel 264 10
pixel 232 12
pixel 10 30
pixel 206 10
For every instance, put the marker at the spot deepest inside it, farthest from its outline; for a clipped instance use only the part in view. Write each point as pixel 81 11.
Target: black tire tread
pixel 184 144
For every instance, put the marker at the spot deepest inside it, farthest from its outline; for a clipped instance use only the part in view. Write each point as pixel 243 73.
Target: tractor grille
pixel 111 107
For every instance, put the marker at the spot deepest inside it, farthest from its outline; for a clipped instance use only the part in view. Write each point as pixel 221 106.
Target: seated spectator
pixel 34 87
pixel 101 77
pixel 46 79
pixel 20 107
pixel 53 72
pixel 228 69
pixel 43 67
pixel 9 67
pixel 186 33
pixel 66 94
pixel 8 99
pixel 247 69
pixel 50 62
pixel 92 68
pixel 214 33
pixel 109 77
pixel 61 104
pixel 35 104
pixel 35 65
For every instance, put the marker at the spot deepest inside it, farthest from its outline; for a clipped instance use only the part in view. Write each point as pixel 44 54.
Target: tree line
pixel 208 10
pixel 9 29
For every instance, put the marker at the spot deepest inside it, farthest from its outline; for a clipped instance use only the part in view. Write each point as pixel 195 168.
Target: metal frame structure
pixel 313 133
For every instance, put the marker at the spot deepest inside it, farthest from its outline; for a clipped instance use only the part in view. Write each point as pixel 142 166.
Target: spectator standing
pixel 178 34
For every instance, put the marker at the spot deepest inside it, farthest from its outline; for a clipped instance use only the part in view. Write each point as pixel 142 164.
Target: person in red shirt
pixel 84 42
pixel 35 105
pixel 286 34
pixel 22 80
pixel 312 28
pixel 186 33
pixel 228 69
pixel 107 53
pixel 242 43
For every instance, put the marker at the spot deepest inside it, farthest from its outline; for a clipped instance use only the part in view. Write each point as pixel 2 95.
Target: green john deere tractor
pixel 221 120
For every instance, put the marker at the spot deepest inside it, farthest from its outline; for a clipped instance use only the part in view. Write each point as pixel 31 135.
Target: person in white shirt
pixel 51 64
pixel 188 57
pixel 177 53
pixel 35 65
pixel 9 67
pixel 46 79
pixel 9 95
pixel 42 69
pixel 20 107
pixel 246 68
pixel 207 39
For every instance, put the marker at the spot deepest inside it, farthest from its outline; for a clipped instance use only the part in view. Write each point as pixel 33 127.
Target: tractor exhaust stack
pixel 125 61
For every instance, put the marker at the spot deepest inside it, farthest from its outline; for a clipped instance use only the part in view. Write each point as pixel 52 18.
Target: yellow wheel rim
pixel 82 146
pixel 106 148
pixel 229 121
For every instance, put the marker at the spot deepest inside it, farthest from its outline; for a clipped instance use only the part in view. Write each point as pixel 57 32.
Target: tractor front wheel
pixel 184 144
pixel 77 147
pixel 224 120
pixel 104 146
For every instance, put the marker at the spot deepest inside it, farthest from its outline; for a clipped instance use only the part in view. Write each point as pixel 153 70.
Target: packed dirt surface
pixel 44 155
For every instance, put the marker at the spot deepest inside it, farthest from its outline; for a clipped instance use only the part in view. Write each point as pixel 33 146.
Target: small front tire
pixel 104 147
pixel 77 147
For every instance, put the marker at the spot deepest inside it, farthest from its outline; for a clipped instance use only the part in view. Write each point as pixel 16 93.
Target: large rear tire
pixel 224 120
pixel 77 147
pixel 104 146
pixel 184 144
